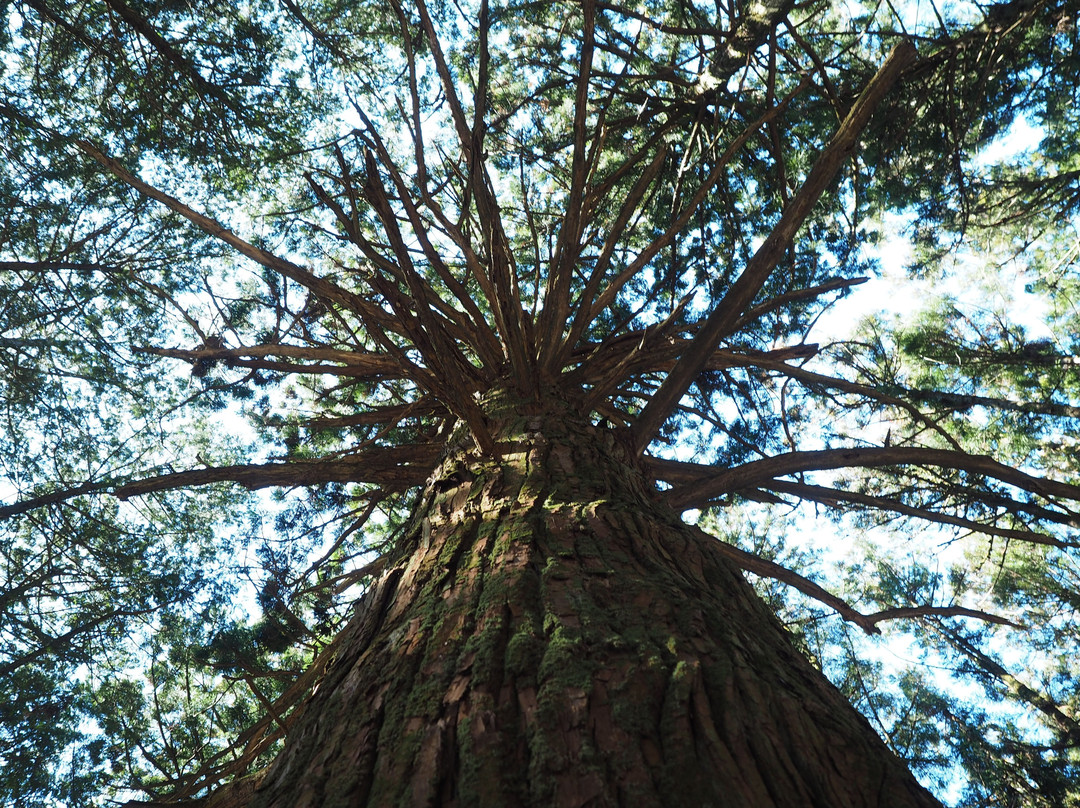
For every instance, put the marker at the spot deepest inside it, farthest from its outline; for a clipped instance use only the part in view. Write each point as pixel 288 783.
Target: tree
pixel 501 292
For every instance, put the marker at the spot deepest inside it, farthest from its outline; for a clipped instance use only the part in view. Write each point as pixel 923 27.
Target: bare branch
pixel 584 314
pixel 726 314
pixel 608 296
pixel 511 319
pixel 433 341
pixel 664 354
pixel 482 339
pixel 381 415
pixel 762 472
pixel 867 622
pixel 908 612
pixel 617 373
pixel 770 569
pixel 449 85
pixel 833 496
pixel 375 318
pixel 323 288
pixel 556 310
pixel 395 468
pixel 809 293
pixel 356 364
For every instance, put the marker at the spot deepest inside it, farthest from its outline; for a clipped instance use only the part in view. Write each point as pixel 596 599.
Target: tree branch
pixel 833 496
pixel 484 341
pixel 962 402
pixel 49 644
pixel 352 363
pixel 379 415
pixel 170 54
pixel 759 472
pixel 395 468
pixel 726 314
pixel 323 288
pixel 867 622
pixel 811 379
pixel 610 292
pixel 908 612
pixel 809 293
pixel 1019 689
pixel 432 339
pixel 770 569
pixel 556 310
pixel 511 318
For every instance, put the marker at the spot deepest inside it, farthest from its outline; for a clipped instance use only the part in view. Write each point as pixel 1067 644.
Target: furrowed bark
pixel 551 635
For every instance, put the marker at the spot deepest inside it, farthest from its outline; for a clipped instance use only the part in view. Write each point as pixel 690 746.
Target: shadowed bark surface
pixel 552 635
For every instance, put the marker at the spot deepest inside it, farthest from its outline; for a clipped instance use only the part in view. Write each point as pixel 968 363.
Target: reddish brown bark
pixel 551 635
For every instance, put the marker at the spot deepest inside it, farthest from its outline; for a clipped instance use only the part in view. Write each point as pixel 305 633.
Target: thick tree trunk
pixel 552 636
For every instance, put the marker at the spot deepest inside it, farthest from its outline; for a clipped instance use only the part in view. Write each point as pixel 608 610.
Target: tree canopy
pixel 261 263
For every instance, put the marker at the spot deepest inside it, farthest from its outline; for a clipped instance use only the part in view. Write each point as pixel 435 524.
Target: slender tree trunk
pixel 552 636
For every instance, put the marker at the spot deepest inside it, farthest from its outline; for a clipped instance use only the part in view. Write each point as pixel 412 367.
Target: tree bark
pixel 553 635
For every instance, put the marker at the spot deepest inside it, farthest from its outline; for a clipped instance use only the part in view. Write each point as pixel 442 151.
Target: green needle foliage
pixel 259 260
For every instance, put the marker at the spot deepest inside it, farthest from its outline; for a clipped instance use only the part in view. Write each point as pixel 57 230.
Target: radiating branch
pixel 762 472
pixel 630 206
pixel 726 314
pixel 795 296
pixel 373 316
pixel 567 251
pixel 434 341
pixel 867 622
pixel 482 339
pixel 832 497
pixel 676 227
pixel 511 318
pixel 394 468
pixel 321 287
pixel 372 366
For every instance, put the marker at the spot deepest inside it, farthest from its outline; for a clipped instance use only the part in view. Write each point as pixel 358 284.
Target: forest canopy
pixel 265 265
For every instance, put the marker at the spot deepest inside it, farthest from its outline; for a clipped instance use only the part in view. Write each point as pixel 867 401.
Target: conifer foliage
pixel 360 356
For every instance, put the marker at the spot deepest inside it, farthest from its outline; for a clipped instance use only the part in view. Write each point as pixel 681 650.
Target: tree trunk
pixel 553 636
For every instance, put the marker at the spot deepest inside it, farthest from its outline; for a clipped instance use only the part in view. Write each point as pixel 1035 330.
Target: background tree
pixel 486 297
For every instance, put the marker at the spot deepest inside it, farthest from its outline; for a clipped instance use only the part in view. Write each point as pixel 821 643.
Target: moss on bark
pixel 551 636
